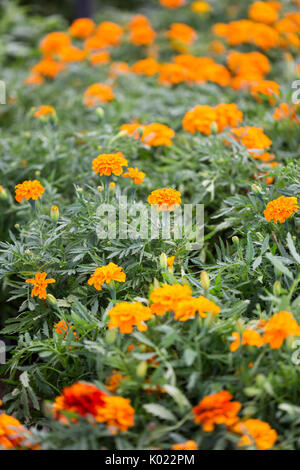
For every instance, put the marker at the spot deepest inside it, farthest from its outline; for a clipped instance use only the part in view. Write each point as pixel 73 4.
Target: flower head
pixel 117 413
pixel 62 328
pixel 13 435
pixel 97 94
pixel 110 33
pixel 107 274
pixel 166 298
pixel 29 190
pixel 253 138
pixel 44 111
pixel 172 4
pixel 125 315
pixel 200 7
pixel 147 66
pixel 216 409
pixel 156 134
pixel 281 209
pixel 279 327
pixel 40 285
pixel 188 445
pixel 165 199
pixel 53 43
pixel 255 432
pixel 82 28
pixel 186 309
pixel 109 163
pixel 263 12
pixel 182 33
pixel 136 175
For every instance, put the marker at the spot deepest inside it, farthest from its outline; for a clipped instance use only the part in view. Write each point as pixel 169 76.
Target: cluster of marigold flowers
pixel 13 435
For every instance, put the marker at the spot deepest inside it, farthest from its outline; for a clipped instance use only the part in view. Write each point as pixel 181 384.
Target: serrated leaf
pixel 160 411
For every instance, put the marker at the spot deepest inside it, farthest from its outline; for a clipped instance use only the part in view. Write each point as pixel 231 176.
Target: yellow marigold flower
pixel 97 93
pixel 256 432
pixel 54 213
pixel 106 274
pixel 109 163
pixel 166 298
pixel 200 119
pixel 165 199
pixel 125 315
pixel 136 175
pixel 188 445
pixel 29 190
pixel 170 261
pixel 156 134
pixel 216 409
pixel 279 327
pixel 44 110
pixel 200 7
pixel 82 28
pixel 263 12
pixel 40 285
pixel 281 209
pixel 236 343
pixel 117 413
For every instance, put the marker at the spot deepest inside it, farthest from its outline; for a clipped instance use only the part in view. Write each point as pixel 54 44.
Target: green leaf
pixel 160 411
pixel 177 396
pixel 292 248
pixel 279 265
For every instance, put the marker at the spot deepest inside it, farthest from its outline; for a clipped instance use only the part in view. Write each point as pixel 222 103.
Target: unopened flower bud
pixel 256 188
pixel 155 283
pixel 37 172
pixel 100 112
pixel 141 369
pixel 3 194
pixel 111 336
pixel 204 279
pixel 277 288
pixel 100 188
pixel 214 127
pixel 235 240
pixel 163 261
pixel 51 299
pixel 54 213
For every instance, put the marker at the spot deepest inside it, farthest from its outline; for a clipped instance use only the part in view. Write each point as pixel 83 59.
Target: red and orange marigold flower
pixel 106 274
pixel 126 315
pixel 281 209
pixel 40 284
pixel 216 409
pixel 29 190
pixel 109 164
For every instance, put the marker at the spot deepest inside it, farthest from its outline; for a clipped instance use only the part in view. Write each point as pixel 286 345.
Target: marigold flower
pixel 80 398
pixel 40 285
pixel 13 435
pixel 62 328
pixel 251 338
pixel 165 199
pixel 136 175
pixel 216 409
pixel 29 190
pixel 256 432
pixel 236 343
pixel 147 67
pixel 187 308
pixel 94 43
pixel 98 93
pixel 172 74
pixel 263 12
pixel 170 261
pixel 156 134
pixel 112 382
pixel 182 33
pixel 172 4
pixel 253 138
pixel 106 274
pixel 281 209
pixel 72 54
pixel 111 33
pixel 119 68
pixel 48 68
pixel 188 445
pixel 142 35
pixel 266 88
pixel 242 63
pixel 53 43
pixel 109 163
pixel 166 298
pixel 44 110
pixel 126 315
pixel 228 115
pixel 82 28
pixel 285 111
pixel 100 58
pixel 132 129
pixel 200 119
pixel 200 7
pixel 279 327
pixel 34 79
pixel 117 413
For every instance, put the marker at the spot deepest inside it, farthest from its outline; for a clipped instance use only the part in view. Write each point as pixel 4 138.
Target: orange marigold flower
pixel 170 261
pixel 281 209
pixel 242 63
pixel 172 4
pixel 156 134
pixel 217 47
pixel 13 435
pixel 216 409
pixel 98 93
pixel 255 432
pixel 119 68
pixel 166 298
pixel 34 79
pixel 252 338
pixel 72 54
pixel 62 328
pixel 81 398
pixel 40 285
pixel 126 315
pixel 111 33
pixel 109 164
pixel 228 115
pixel 44 110
pixel 266 88
pixel 106 274
pixel 187 308
pixel 236 343
pixel 165 199
pixel 285 111
pixel 112 382
pixel 263 12
pixel 147 67
pixel 188 445
pixel 29 190
pixel 136 175
pixel 132 129
pixel 82 28
pixel 117 413
pixel 200 119
pixel 99 58
pixel 48 68
pixel 253 138
pixel 279 327
pixel 172 74
pixel 142 35
pixel 94 43
pixel 182 33
pixel 52 43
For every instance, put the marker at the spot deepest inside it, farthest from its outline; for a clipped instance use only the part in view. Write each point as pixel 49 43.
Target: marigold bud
pixel 100 188
pixel 141 369
pixel 235 240
pixel 163 261
pixel 3 194
pixel 214 127
pixel 256 188
pixel 277 288
pixel 111 336
pixel 204 279
pixel 51 299
pixel 54 213
pixel 100 112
